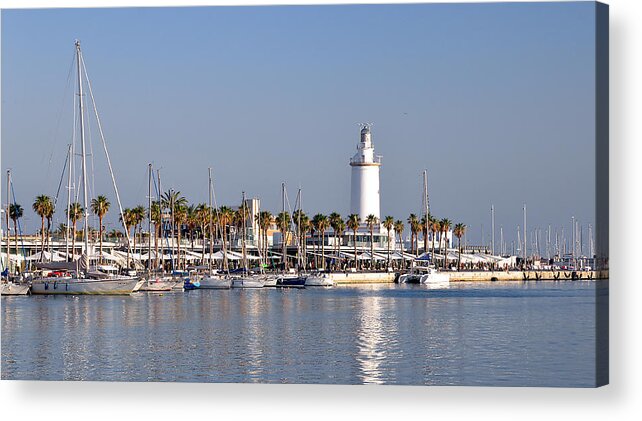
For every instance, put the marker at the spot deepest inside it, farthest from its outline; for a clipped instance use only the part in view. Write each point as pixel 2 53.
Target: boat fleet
pixel 88 276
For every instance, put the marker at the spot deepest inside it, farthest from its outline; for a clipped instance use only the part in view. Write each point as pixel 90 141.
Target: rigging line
pixel 102 138
pixel 59 118
pixel 62 176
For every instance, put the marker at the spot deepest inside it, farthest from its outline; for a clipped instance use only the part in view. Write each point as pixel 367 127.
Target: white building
pixel 364 196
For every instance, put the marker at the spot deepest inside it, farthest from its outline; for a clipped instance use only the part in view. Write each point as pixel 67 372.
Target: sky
pixel 495 100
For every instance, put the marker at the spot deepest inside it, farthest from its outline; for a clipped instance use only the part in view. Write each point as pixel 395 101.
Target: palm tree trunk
pixel 355 248
pixel 323 250
pixel 100 221
pixel 73 243
pixel 134 249
pixel 42 238
pixel 49 234
pixel 459 258
pixel 157 232
pixel 203 245
pixel 388 262
pixel 425 240
pixel 15 238
pixel 224 236
pixel 432 254
pixel 178 247
pixel 445 250
pixel 371 250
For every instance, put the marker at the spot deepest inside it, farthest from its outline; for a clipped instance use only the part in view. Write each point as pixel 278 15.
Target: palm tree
pixel 459 231
pixel 42 206
pixel 322 223
pixel 388 224
pixel 180 217
pixel 282 221
pixel 100 206
pixel 61 230
pixel 75 212
pixel 413 221
pixel 445 226
pixel 127 219
pixel 435 227
pixel 156 216
pixel 201 219
pixel 49 216
pixel 335 219
pixel 426 221
pixel 371 221
pixel 399 227
pixel 138 216
pixel 303 224
pixel 353 223
pixel 15 213
pixel 225 217
pixel 341 227
pixel 174 198
pixel 264 221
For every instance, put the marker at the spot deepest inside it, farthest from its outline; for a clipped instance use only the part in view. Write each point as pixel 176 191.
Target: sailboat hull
pixel 156 286
pixel 318 281
pixel 247 283
pixel 14 289
pixel 291 282
pixel 122 286
pixel 215 283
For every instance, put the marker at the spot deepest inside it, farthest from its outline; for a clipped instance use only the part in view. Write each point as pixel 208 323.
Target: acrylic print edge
pixel 602 192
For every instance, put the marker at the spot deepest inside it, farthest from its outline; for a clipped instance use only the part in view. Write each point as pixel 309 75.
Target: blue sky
pixel 495 100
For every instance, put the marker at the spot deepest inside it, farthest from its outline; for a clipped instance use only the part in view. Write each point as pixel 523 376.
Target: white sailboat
pixel 212 280
pixel 246 280
pixel 86 280
pixel 320 279
pixel 11 288
pixel 152 282
pixel 426 275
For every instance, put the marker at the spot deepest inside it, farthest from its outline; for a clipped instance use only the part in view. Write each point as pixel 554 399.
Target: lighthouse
pixel 364 196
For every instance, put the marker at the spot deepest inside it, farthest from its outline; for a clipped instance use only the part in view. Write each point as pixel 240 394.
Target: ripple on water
pixel 530 334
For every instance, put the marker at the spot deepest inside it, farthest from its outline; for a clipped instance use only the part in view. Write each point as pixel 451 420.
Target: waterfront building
pixel 364 193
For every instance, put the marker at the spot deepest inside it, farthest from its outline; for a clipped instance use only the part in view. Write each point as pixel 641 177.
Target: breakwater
pixel 475 276
pixel 527 275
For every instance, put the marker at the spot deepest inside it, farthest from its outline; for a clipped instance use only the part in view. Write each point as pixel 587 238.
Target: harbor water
pixel 499 334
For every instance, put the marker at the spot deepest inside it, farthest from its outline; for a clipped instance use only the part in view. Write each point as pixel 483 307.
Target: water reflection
pixel 501 334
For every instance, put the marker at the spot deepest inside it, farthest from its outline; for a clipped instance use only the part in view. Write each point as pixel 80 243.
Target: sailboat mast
pixel 243 217
pixel 284 233
pixel 492 227
pixel 162 225
pixel 524 228
pixel 304 244
pixel 299 251
pixel 209 190
pixel 149 218
pixel 70 157
pixel 426 204
pixel 82 147
pixel 7 219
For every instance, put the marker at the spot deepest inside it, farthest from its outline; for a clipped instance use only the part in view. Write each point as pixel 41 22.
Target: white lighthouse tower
pixel 364 197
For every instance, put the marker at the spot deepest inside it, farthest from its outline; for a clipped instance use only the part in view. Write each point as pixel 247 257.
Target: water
pixel 500 334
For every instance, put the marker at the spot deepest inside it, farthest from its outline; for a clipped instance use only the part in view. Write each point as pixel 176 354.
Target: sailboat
pixel 153 282
pixel 211 280
pixel 85 279
pixel 426 275
pixel 246 280
pixel 288 280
